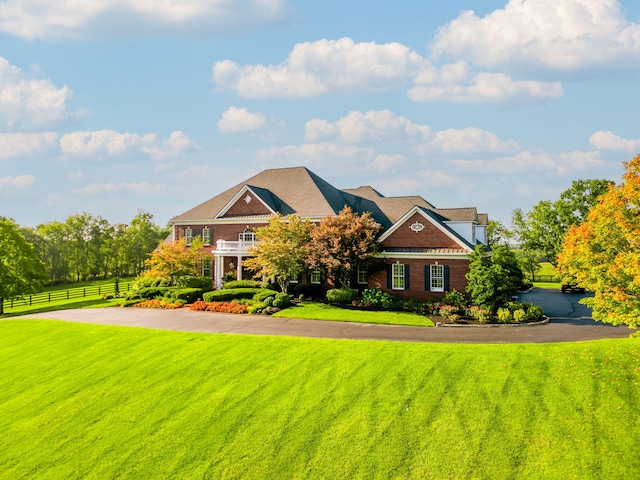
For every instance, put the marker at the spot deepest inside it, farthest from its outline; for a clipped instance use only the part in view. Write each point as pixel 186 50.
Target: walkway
pixel 560 329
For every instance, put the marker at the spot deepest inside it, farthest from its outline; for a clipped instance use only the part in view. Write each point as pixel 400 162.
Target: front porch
pixel 234 250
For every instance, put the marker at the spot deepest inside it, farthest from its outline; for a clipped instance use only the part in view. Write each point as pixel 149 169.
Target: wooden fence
pixel 58 295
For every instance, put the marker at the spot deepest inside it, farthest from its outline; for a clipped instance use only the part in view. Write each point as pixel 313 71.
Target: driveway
pixel 569 322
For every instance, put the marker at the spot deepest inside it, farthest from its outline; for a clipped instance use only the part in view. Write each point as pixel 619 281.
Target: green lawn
pixel 91 401
pixel 322 311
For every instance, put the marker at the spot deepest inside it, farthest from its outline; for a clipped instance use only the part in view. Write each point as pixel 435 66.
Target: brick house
pixel 424 249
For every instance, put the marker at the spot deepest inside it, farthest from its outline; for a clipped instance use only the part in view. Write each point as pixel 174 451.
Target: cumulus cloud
pixel 481 87
pixel 19 182
pixel 384 162
pixel 358 127
pixel 99 142
pixel 176 145
pixel 319 154
pixel 235 120
pixel 559 35
pixel 314 68
pixel 466 140
pixel 30 103
pixel 138 188
pixel 610 141
pixel 110 142
pixel 26 144
pixel 557 163
pixel 44 19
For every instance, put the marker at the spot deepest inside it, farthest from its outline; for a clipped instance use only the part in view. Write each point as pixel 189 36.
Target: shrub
pixel 227 307
pixel 268 301
pixel 198 306
pixel 448 311
pixel 263 294
pixel 376 298
pixel 455 298
pixel 193 281
pixel 242 284
pixel 230 294
pixel 341 295
pixel 282 300
pixel 534 313
pixel 520 315
pixel 481 314
pixel 504 315
pixel 159 303
pixel 153 292
pixel 189 295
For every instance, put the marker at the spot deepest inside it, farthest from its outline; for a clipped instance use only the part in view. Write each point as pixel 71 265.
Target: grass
pixel 321 311
pixel 92 401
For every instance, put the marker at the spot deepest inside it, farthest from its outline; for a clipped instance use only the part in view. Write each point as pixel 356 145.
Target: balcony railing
pixel 234 246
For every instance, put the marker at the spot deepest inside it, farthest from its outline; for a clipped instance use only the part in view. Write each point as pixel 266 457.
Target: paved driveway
pixel 570 322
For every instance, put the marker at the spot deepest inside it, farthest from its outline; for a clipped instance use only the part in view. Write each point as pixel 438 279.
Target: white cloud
pixel 44 19
pixel 558 35
pixel 19 182
pixel 482 87
pixel 556 163
pixel 318 154
pixel 610 141
pixel 101 142
pixel 466 140
pixel 384 162
pixel 140 189
pixel 235 120
pixel 30 103
pixel 176 145
pixel 314 68
pixel 26 144
pixel 358 127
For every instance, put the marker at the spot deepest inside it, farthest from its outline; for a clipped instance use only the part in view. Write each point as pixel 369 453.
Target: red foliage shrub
pixel 220 307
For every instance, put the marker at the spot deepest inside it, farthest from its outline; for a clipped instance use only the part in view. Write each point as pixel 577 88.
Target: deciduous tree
pixel 603 253
pixel 21 270
pixel 281 250
pixel 342 243
pixel 175 259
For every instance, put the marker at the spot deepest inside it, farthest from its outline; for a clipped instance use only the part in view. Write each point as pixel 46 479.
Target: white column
pixel 239 268
pixel 218 271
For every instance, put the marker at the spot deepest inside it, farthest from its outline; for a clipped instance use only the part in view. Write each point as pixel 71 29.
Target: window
pixel 188 235
pixel 397 275
pixel 206 236
pixel 294 279
pixel 437 278
pixel 316 276
pixel 247 235
pixel 205 267
pixel 363 276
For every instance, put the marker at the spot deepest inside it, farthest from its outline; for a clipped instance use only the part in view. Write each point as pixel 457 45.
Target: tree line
pixel 87 247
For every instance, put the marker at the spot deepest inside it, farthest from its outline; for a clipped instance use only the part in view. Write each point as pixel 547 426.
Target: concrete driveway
pixel 569 322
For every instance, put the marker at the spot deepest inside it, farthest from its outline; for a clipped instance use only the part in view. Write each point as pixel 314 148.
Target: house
pixel 425 248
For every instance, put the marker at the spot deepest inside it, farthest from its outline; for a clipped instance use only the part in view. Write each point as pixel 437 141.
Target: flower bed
pixel 220 307
pixel 159 303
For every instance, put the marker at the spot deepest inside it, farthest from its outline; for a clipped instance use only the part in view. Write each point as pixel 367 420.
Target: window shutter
pixel 446 278
pixel 427 277
pixel 389 277
pixel 406 277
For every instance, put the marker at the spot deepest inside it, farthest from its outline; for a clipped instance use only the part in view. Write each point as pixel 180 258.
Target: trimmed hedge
pixel 189 295
pixel 241 284
pixel 234 294
pixel 341 295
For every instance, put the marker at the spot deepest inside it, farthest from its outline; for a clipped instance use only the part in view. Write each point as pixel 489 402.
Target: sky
pixel 117 106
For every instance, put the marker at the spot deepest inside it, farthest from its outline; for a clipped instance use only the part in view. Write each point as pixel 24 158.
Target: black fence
pixel 58 295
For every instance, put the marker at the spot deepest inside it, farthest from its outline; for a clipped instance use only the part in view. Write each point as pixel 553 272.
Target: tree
pixel 603 253
pixel 543 228
pixel 174 259
pixel 53 249
pixel 497 233
pixel 144 236
pixel 21 270
pixel 281 250
pixel 341 244
pixel 493 278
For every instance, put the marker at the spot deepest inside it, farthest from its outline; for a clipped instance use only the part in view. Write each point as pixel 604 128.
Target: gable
pixel 245 202
pixel 418 232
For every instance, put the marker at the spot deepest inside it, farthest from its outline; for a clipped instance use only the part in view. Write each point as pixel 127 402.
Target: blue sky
pixel 113 106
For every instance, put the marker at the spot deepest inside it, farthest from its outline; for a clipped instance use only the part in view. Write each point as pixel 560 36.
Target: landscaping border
pixel 544 321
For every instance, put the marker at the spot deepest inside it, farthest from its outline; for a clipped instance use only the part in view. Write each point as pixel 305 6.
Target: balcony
pixel 234 247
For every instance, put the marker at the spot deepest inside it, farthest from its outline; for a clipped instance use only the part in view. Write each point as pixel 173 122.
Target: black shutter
pixel 427 277
pixel 389 277
pixel 446 278
pixel 406 277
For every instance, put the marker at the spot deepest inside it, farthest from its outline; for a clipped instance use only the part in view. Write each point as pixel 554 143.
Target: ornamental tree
pixel 281 249
pixel 21 270
pixel 603 253
pixel 175 259
pixel 342 243
pixel 493 278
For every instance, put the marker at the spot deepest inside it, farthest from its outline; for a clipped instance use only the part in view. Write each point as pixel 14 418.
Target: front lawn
pixel 322 311
pixel 93 401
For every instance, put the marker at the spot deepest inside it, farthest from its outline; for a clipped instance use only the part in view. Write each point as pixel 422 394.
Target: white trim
pixel 432 277
pixel 246 189
pixel 422 255
pixel 438 225
pixel 395 276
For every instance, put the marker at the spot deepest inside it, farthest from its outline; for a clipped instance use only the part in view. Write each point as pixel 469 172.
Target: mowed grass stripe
pixel 91 401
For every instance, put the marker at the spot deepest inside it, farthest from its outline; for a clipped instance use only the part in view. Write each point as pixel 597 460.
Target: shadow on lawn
pixel 97 303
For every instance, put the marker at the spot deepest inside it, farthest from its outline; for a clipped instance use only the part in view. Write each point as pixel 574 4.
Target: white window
pixel 397 276
pixel 437 278
pixel 206 267
pixel 188 235
pixel 206 236
pixel 247 235
pixel 316 276
pixel 363 276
